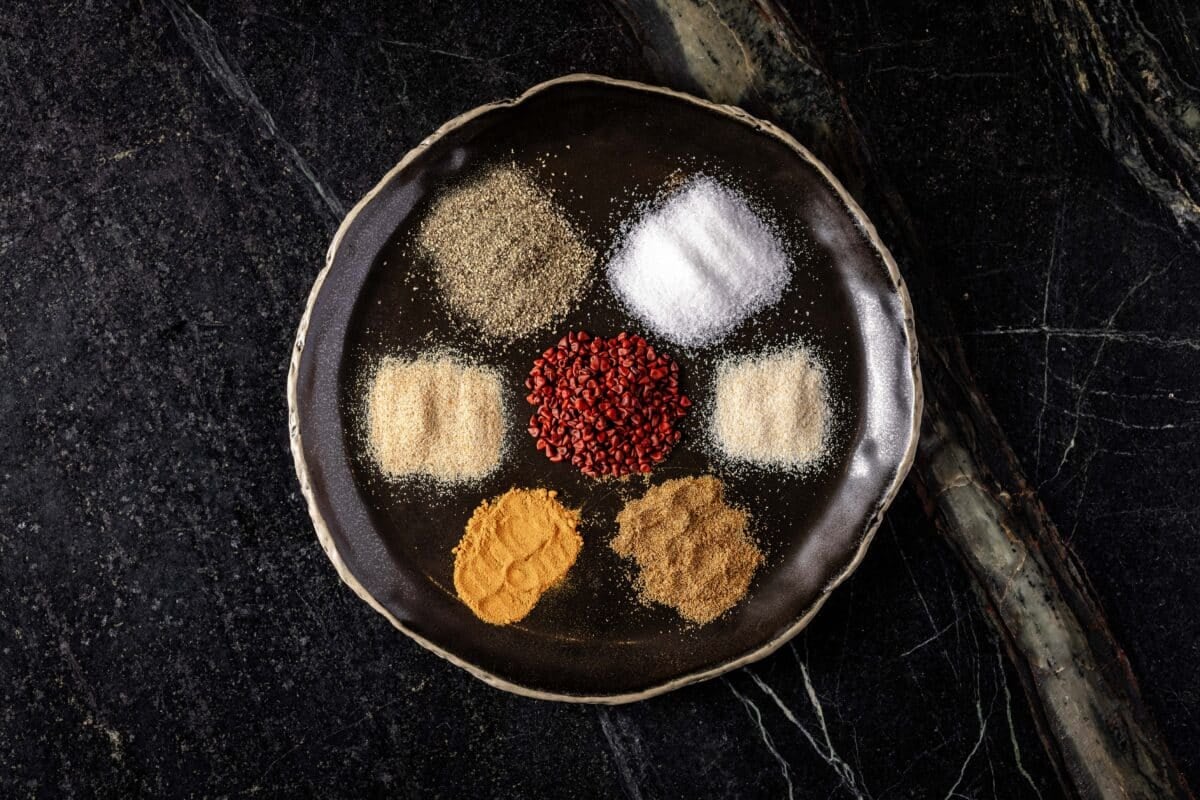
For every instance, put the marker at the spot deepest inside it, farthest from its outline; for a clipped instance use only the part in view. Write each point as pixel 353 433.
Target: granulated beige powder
pixel 435 417
pixel 504 256
pixel 691 547
pixel 773 409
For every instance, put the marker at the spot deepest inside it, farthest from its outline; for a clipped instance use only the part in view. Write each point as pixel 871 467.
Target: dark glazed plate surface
pixel 603 147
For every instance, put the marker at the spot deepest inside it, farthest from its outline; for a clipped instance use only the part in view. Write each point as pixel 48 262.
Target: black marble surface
pixel 168 625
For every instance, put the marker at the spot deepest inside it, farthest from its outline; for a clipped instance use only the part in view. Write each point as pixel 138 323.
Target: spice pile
pixel 504 256
pixel 434 417
pixel 772 410
pixel 516 547
pixel 699 265
pixel 608 406
pixel 690 546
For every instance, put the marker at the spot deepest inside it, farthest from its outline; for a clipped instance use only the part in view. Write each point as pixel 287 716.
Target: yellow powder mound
pixel 435 417
pixel 516 547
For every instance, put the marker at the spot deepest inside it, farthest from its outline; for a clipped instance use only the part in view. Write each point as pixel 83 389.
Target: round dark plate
pixel 604 146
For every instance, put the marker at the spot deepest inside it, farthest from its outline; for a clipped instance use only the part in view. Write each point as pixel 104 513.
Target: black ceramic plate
pixel 602 147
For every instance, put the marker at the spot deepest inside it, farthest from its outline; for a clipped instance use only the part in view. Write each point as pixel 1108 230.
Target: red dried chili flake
pixel 608 406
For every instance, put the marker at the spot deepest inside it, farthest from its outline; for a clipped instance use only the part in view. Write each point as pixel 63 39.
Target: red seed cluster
pixel 608 406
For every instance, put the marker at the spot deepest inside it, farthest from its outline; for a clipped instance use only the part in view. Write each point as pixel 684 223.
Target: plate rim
pixel 325 537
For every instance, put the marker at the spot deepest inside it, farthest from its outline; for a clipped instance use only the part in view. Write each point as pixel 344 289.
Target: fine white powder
pixel 699 264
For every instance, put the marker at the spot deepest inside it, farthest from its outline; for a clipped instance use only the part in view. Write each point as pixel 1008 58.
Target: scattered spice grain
pixel 505 257
pixel 516 546
pixel 435 417
pixel 690 546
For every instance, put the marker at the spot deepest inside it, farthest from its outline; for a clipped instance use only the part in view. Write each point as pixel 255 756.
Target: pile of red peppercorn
pixel 608 406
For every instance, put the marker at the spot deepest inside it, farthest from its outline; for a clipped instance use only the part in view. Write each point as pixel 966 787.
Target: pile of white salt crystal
pixel 435 417
pixel 772 409
pixel 695 267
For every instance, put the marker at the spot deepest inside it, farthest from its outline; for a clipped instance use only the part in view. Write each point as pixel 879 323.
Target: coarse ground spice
pixel 516 546
pixel 773 409
pixel 691 547
pixel 609 406
pixel 435 417
pixel 504 255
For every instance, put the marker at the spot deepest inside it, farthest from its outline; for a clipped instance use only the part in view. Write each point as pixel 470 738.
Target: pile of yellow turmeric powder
pixel 516 546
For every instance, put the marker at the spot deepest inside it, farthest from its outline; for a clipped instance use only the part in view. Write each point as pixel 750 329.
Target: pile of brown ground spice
pixel 691 547
pixel 504 256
